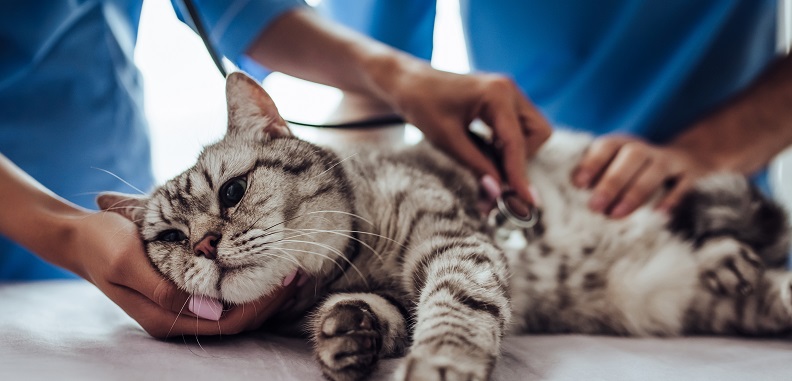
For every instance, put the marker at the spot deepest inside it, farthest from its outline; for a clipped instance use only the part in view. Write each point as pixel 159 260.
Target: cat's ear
pixel 251 111
pixel 129 206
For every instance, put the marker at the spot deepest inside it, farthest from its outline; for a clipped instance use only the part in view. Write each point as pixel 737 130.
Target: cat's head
pixel 258 205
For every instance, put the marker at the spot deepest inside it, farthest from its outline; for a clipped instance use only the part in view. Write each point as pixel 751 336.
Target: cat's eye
pixel 232 191
pixel 172 235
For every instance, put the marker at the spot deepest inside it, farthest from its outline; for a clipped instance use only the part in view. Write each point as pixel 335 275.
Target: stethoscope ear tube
pixel 192 13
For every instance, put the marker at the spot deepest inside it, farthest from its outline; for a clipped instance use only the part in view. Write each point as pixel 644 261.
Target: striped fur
pixel 402 263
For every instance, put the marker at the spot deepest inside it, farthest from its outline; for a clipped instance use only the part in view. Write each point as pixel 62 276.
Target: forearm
pixel 747 132
pixel 36 218
pixel 302 44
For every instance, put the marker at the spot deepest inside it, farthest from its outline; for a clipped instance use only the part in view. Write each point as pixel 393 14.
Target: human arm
pixel 441 104
pixel 741 136
pixel 104 248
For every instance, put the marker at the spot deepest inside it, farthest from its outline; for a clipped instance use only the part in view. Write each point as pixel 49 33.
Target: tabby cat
pixel 402 263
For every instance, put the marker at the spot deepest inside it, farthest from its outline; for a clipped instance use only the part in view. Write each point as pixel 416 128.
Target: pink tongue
pixel 289 278
pixel 207 308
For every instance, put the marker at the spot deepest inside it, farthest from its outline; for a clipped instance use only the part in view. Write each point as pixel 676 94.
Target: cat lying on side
pixel 402 263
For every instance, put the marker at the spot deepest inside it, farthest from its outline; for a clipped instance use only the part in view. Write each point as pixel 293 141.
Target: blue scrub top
pixel 643 67
pixel 71 98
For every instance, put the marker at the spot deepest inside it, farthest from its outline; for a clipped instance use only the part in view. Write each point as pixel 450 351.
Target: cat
pixel 402 263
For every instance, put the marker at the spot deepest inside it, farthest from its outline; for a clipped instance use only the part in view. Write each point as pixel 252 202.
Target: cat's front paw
pixel 418 367
pixel 349 342
pixel 729 268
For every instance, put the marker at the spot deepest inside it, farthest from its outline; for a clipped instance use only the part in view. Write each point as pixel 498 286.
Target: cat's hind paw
pixel 728 267
pixel 349 342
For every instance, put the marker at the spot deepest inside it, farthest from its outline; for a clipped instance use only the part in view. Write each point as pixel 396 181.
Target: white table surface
pixel 69 330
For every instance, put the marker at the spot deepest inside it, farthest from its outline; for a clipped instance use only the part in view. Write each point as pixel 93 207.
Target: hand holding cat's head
pixel 256 206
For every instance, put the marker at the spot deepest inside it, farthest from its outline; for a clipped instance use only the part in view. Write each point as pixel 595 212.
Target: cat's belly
pixel 592 274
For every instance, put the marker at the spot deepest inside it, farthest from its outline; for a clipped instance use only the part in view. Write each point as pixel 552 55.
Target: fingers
pixel 596 159
pixel 519 127
pixel 464 150
pixel 647 182
pixel 136 272
pixel 618 176
pixel 161 323
pixel 534 125
pixel 509 133
pixel 625 172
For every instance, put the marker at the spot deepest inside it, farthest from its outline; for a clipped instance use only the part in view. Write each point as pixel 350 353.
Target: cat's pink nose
pixel 207 247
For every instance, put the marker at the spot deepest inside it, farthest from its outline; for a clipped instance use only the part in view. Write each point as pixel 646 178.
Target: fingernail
pixel 289 278
pixel 582 178
pixel 491 186
pixel 206 308
pixel 620 210
pixel 598 203
pixel 537 201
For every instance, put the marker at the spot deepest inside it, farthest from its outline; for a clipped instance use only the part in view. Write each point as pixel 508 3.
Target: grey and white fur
pixel 402 263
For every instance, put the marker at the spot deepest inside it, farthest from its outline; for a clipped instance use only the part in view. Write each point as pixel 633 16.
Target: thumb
pixel 141 276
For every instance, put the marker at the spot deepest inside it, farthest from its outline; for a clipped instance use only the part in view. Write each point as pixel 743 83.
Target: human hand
pixel 444 104
pixel 110 255
pixel 624 172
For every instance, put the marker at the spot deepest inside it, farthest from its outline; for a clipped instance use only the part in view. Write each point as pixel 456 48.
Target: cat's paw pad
pixel 348 342
pixel 729 268
pixel 443 368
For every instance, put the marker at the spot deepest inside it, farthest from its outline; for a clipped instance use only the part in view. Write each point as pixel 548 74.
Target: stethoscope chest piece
pixel 512 213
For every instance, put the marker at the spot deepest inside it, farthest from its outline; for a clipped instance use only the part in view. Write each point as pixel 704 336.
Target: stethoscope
pixel 510 214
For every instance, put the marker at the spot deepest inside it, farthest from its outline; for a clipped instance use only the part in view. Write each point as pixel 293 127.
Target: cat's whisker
pixel 341 212
pixel 288 259
pixel 335 165
pixel 120 179
pixel 320 211
pixel 318 231
pixel 177 314
pixel 334 250
pixel 290 239
pixel 124 207
pixel 312 253
pixel 95 193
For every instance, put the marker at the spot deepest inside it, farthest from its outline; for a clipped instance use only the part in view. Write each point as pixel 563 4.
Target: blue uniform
pixel 71 98
pixel 643 67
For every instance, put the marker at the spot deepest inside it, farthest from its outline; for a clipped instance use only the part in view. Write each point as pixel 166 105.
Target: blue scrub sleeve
pixel 407 25
pixel 233 25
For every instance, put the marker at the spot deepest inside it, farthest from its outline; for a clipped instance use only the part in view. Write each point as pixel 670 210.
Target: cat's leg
pixel 736 294
pixel 728 204
pixel 462 309
pixel 351 331
pixel 767 310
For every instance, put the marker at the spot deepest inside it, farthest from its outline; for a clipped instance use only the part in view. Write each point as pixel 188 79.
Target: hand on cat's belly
pixel 624 172
pixel 113 259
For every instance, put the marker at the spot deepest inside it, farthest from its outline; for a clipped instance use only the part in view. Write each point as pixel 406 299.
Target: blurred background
pixel 185 94
pixel 185 100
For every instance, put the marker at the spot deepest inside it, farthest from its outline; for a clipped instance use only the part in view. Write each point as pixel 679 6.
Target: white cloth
pixel 69 330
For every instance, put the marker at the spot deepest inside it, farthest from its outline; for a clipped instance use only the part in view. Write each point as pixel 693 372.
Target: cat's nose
pixel 207 247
